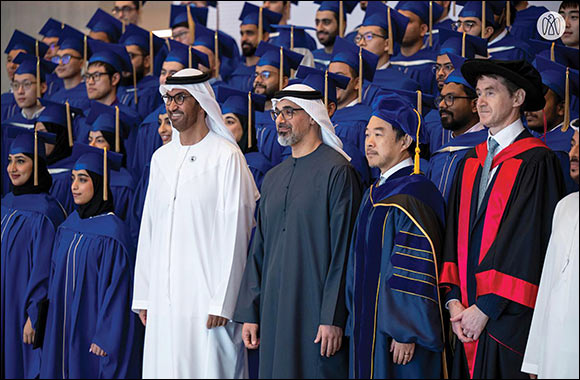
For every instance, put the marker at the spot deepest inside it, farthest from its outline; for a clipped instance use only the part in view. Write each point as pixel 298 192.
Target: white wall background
pixel 30 16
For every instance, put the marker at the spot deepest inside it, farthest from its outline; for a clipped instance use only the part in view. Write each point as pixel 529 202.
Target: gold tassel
pixel 117 134
pixel 38 84
pixel 190 57
pixel 281 75
pixel 260 24
pixel 390 27
pixel 567 102
pixel 216 54
pixel 326 89
pixel 417 168
pixel 191 25
pixel 552 52
pixel 122 26
pixel 454 10
pixel 151 53
pixel 430 24
pixel 482 19
pixel 69 124
pixel 135 83
pixel 341 19
pixel 217 16
pixel 105 179
pixel 85 53
pixel 420 102
pixel 291 37
pixel 508 14
pixel 360 75
pixel 463 45
pixel 249 119
pixel 35 157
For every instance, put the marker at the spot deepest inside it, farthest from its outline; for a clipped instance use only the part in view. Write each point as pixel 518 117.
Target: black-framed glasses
pixel 180 34
pixel 63 59
pixel 286 112
pixel 467 25
pixel 447 67
pixel 264 75
pixel 25 84
pixel 125 9
pixel 368 37
pixel 178 99
pixel 94 76
pixel 449 99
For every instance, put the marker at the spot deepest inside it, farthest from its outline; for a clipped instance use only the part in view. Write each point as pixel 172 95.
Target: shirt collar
pixel 34 115
pixel 403 164
pixel 507 135
pixel 476 128
pixel 498 38
pixel 385 66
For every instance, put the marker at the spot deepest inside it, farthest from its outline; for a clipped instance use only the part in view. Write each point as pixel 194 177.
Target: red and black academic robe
pixel 493 258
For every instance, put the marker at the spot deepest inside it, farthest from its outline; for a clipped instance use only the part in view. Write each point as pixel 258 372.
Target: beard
pixel 288 138
pixel 326 39
pixel 450 123
pixel 248 50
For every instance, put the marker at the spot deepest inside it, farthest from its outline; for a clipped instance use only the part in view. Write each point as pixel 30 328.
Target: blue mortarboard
pixel 113 54
pixel 206 37
pixel 394 23
pixel 347 52
pixel 421 9
pixel 426 104
pixel 56 113
pixel 251 16
pixel 23 140
pixel 103 118
pixel 236 101
pixel 561 54
pixel 323 81
pixel 292 36
pixel 28 65
pixel 98 161
pixel 135 35
pixel 104 22
pixel 270 56
pixel 461 44
pixel 71 38
pixel 22 41
pixel 455 76
pixel 334 6
pixel 178 15
pixel 186 55
pixel 51 28
pixel 476 9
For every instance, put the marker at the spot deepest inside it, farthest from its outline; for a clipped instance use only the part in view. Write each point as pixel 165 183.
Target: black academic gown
pixel 493 257
pixel 295 275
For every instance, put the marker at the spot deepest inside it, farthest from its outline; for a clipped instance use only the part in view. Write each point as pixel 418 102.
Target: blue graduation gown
pixel 419 67
pixel 391 286
pixel 444 161
pixel 445 24
pixel 510 48
pixel 9 106
pixel 350 124
pixel 53 85
pixel 148 140
pixel 135 211
pixel 259 166
pixel 148 96
pixel 524 26
pixel 267 137
pixel 437 135
pixel 229 65
pixel 321 58
pixel 242 78
pixel 76 96
pixel 29 224
pixel 90 301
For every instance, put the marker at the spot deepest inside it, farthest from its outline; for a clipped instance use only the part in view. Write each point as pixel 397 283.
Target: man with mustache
pixel 498 225
pixel 292 298
pixel 552 348
pixel 458 112
pixel 327 28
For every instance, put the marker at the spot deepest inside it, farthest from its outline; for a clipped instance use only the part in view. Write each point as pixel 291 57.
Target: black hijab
pixel 44 180
pixel 62 149
pixel 243 144
pixel 96 206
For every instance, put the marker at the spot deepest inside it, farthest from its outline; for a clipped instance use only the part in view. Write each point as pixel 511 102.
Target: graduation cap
pixel 284 59
pixel 455 76
pixel 60 114
pixel 22 41
pixel 51 28
pixel 225 46
pixel 292 36
pixel 340 8
pixel 241 103
pixel 188 15
pixel 98 161
pixel 393 22
pixel 71 38
pixel 461 44
pixel 480 10
pixel 398 112
pixel 561 54
pixel 108 119
pixel 323 81
pixel 560 79
pixel 186 55
pixel 428 11
pixel 26 140
pixel 144 39
pixel 260 16
pixel 363 62
pixel 39 67
pixel 104 22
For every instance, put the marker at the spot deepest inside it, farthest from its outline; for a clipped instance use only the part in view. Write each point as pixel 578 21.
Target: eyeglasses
pixel 448 67
pixel 26 85
pixel 94 76
pixel 467 25
pixel 125 9
pixel 179 98
pixel 287 113
pixel 63 59
pixel 133 55
pixel 449 99
pixel 180 34
pixel 264 75
pixel 368 36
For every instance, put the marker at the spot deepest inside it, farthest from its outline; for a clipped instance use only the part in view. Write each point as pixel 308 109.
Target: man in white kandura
pixel 553 343
pixel 193 241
